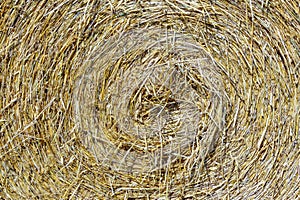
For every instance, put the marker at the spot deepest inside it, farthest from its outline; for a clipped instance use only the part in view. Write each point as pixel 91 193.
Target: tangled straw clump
pixel 149 100
pixel 146 99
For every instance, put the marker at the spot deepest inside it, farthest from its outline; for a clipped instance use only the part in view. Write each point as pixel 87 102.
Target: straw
pixel 149 100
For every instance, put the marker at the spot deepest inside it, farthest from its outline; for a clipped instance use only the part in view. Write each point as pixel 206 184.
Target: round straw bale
pixel 161 99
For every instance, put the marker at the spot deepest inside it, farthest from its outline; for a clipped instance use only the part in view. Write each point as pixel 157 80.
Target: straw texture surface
pixel 149 99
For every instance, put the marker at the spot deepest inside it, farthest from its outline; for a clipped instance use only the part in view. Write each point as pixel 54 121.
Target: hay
pixel 149 100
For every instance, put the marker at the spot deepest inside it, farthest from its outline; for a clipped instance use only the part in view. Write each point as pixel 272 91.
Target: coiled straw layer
pixel 149 100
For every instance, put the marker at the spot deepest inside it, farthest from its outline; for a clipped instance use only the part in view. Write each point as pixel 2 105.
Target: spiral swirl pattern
pixel 147 98
pixel 156 99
